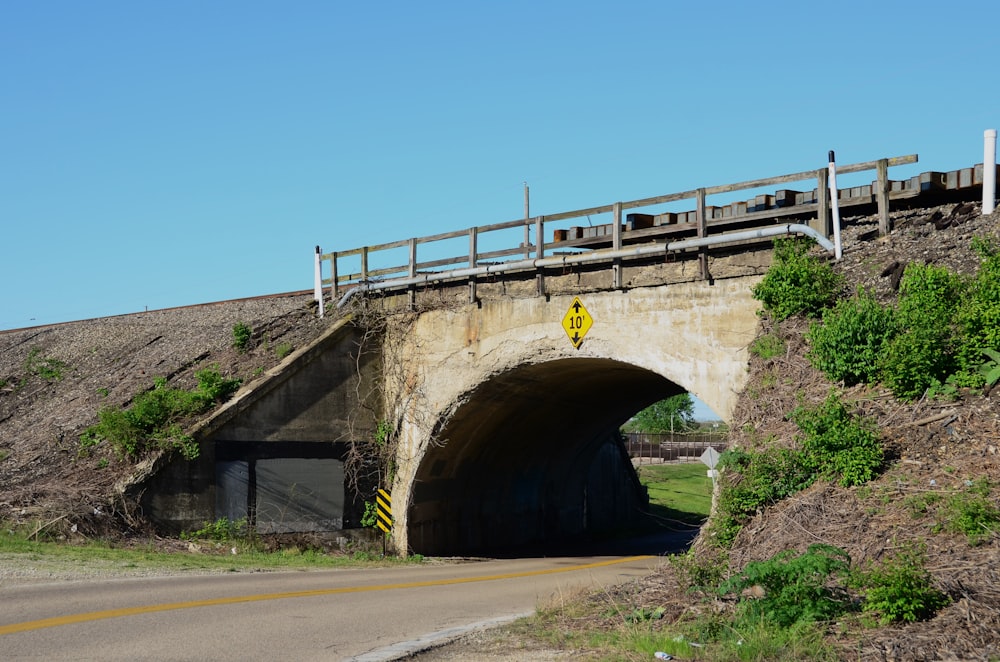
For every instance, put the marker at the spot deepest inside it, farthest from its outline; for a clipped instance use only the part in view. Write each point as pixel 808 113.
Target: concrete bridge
pixel 488 397
pixel 508 432
pixel 506 420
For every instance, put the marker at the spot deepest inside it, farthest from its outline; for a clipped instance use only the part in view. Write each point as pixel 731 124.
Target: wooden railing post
pixel 334 285
pixel 823 222
pixel 882 197
pixel 540 252
pixel 616 244
pixel 702 232
pixel 364 263
pixel 527 223
pixel 412 271
pixel 473 252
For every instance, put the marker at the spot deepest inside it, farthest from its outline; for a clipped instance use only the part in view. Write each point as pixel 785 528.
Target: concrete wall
pixel 306 408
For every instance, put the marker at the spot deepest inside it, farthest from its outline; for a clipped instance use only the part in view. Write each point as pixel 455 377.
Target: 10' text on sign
pixel 577 322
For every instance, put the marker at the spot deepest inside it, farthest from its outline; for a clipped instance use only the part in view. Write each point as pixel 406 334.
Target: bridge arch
pixel 501 417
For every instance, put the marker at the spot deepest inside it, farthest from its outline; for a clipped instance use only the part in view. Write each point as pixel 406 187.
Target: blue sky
pixel 156 154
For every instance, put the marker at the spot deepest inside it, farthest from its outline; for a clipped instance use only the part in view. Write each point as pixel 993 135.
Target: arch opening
pixel 532 459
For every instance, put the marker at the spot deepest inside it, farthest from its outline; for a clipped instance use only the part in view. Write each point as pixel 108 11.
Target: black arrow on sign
pixel 576 307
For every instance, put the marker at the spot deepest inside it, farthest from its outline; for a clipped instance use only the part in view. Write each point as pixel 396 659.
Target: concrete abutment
pixel 507 432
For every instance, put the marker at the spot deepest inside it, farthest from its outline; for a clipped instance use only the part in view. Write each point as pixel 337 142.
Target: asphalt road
pixel 351 614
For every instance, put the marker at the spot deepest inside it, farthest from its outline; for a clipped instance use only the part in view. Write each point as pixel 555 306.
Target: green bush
pixel 970 512
pixel 978 317
pixel 838 445
pixel 793 588
pixel 943 335
pixel 213 388
pixel 221 530
pixel 835 446
pixel 751 481
pixel 899 589
pixel 767 346
pixel 153 420
pixel 916 360
pixel 928 295
pixel 847 344
pixel 49 369
pixel 369 519
pixel 797 282
pixel 699 572
pixel 990 370
pixel 922 353
pixel 241 336
pixel 790 589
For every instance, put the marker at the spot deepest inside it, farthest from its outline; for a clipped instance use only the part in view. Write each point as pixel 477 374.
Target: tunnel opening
pixel 531 461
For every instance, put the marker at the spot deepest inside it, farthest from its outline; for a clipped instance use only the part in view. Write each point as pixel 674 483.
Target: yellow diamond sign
pixel 577 322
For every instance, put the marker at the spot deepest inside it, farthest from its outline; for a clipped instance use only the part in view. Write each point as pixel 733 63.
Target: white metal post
pixel 989 171
pixel 318 279
pixel 837 252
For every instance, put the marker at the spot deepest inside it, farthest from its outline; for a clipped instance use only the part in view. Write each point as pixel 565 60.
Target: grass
pixel 18 545
pixel 678 492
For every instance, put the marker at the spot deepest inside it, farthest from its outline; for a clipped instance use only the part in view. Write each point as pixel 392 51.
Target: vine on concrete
pixel 395 394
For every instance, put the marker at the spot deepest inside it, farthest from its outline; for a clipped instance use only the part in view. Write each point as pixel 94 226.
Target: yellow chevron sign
pixel 383 508
pixel 577 322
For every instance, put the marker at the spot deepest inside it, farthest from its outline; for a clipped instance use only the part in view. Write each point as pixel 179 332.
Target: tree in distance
pixel 675 414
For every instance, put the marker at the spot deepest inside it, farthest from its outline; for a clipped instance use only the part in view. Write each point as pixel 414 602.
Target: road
pixel 362 615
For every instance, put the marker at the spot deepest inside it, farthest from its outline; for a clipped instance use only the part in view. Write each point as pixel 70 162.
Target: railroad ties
pixel 784 203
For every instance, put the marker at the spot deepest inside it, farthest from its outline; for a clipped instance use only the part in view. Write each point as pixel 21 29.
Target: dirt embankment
pixel 54 379
pixel 935 448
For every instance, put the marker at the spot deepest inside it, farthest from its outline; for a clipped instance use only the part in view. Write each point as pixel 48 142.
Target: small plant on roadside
pixel 978 316
pixel 242 333
pixel 922 504
pixel 213 388
pixel 971 513
pixel 283 350
pixel 753 480
pixel 922 352
pixel 899 590
pixel 153 420
pixel 49 369
pixel 699 572
pixel 990 370
pixel 221 530
pixel 797 282
pixel 369 519
pixel 767 346
pixel 837 444
pixel 846 345
pixel 790 588
pixel 692 639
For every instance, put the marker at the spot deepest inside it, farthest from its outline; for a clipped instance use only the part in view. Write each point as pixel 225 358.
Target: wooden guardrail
pixel 672 447
pixel 704 221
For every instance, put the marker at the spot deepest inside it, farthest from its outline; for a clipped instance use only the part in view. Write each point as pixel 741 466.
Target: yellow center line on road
pixel 71 619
